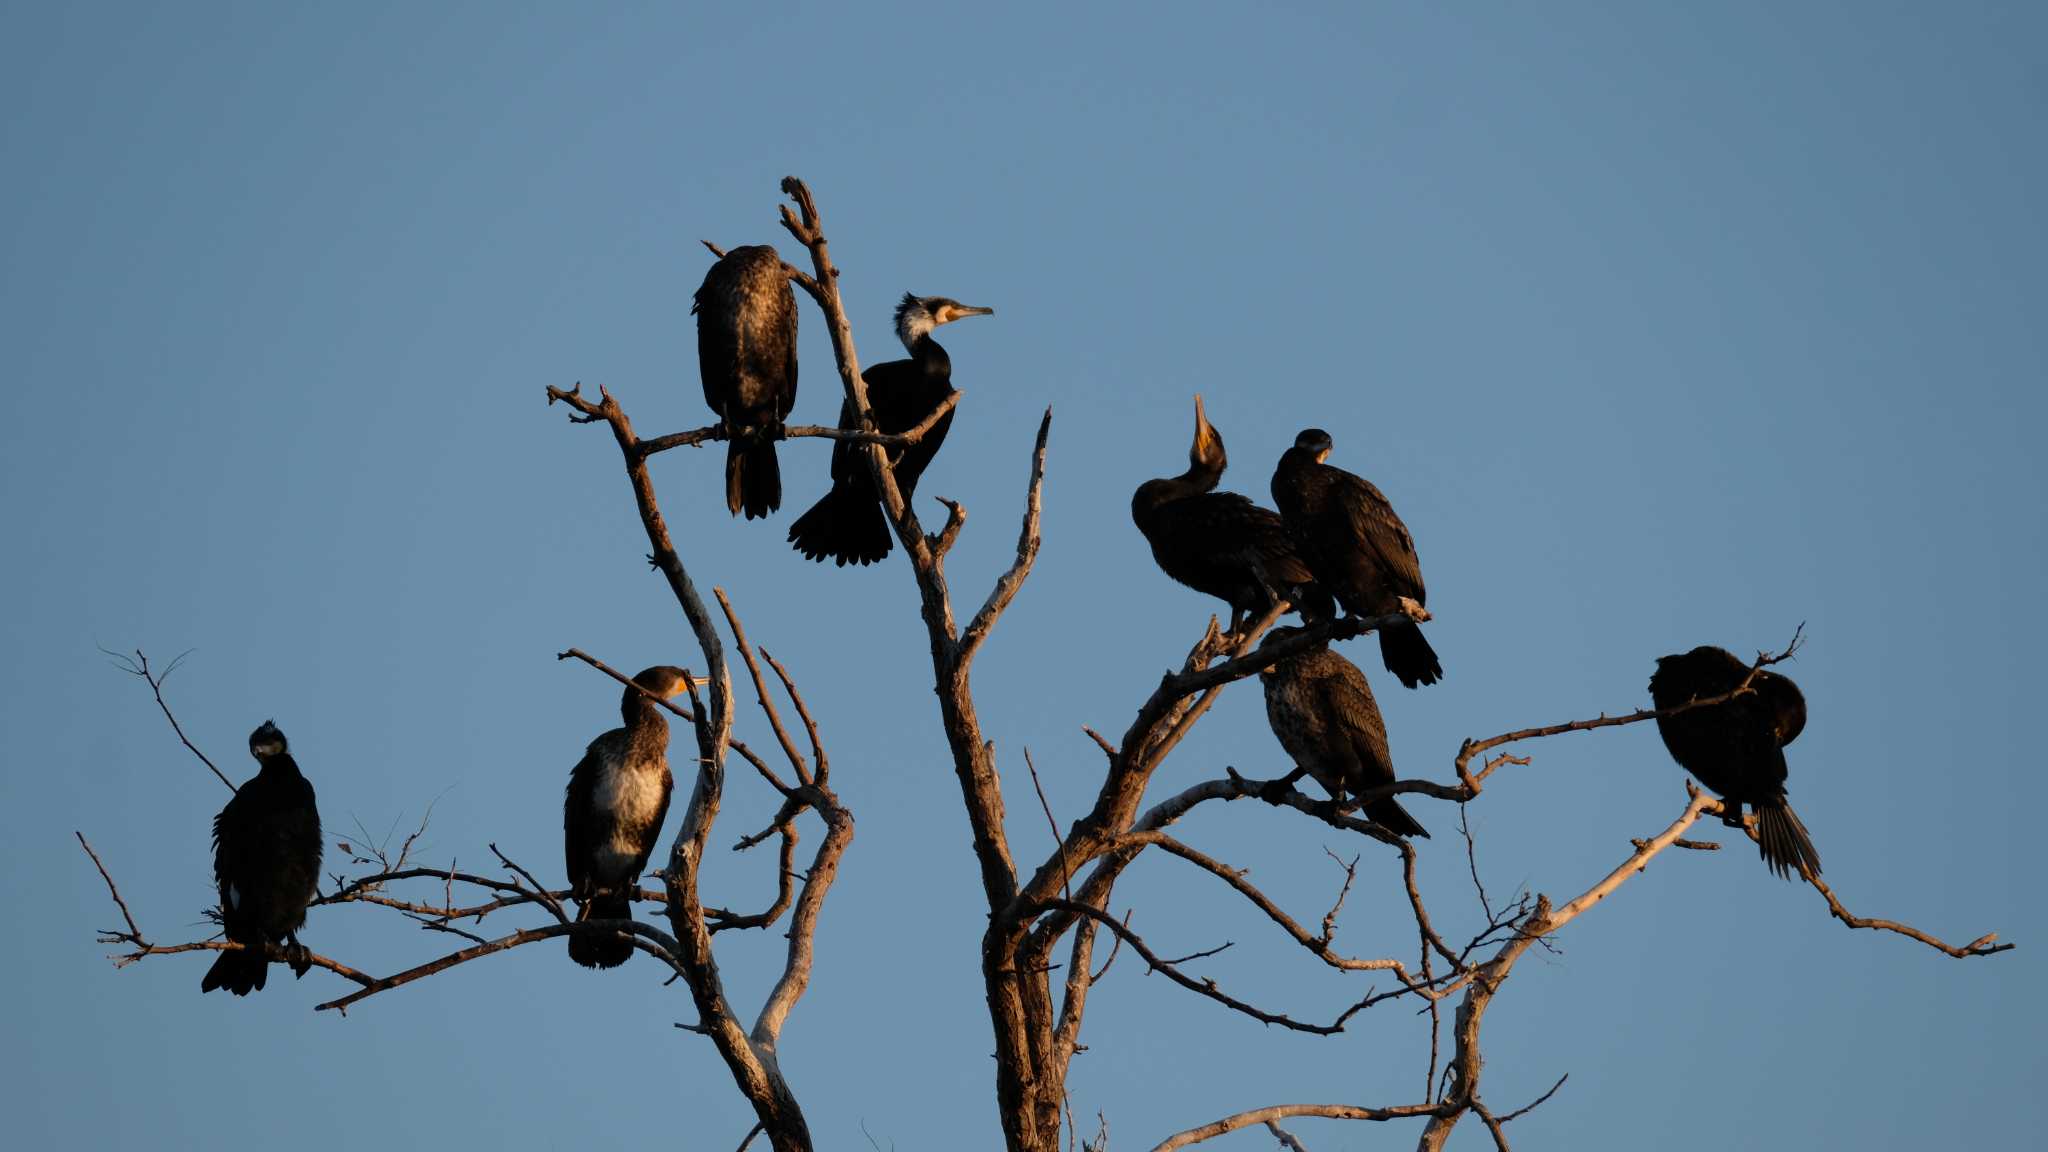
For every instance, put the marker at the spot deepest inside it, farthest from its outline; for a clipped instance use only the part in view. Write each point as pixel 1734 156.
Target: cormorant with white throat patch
pixel 847 525
pixel 1219 543
pixel 746 354
pixel 266 861
pixel 613 812
pixel 1737 747
pixel 1358 549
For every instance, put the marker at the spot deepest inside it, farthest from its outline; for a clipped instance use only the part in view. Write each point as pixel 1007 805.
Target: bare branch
pixel 746 650
pixel 140 667
pixel 1281 1112
pixel 1287 1139
pixel 134 933
pixel 1009 582
pixel 892 440
pixel 1532 1105
pixel 803 713
pixel 1319 946
pixel 646 938
pixel 785 889
pixel 1205 987
pixel 1982 946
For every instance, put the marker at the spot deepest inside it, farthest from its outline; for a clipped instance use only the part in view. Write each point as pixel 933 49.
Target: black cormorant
pixel 847 524
pixel 1217 542
pixel 1358 549
pixel 611 817
pixel 266 860
pixel 1323 712
pixel 1737 747
pixel 746 353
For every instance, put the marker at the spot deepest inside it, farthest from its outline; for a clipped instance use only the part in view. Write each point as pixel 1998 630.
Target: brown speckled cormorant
pixel 1217 542
pixel 746 353
pixel 612 815
pixel 847 524
pixel 1737 747
pixel 1358 549
pixel 266 860
pixel 1323 712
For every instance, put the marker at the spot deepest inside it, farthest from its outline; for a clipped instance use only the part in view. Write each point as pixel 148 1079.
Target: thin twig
pixel 140 667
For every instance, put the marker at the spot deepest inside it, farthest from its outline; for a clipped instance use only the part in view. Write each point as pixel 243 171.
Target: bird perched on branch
pixel 847 524
pixel 1219 543
pixel 746 354
pixel 266 860
pixel 1359 551
pixel 1323 712
pixel 1737 747
pixel 613 811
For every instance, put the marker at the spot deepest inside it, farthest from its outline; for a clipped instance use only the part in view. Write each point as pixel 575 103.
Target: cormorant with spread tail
pixel 746 353
pixel 266 860
pixel 612 815
pixel 1737 747
pixel 1358 549
pixel 1215 542
pixel 1323 712
pixel 847 524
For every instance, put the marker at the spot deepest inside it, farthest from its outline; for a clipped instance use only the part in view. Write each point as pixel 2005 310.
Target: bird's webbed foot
pixel 1276 792
pixel 297 956
pixel 1335 807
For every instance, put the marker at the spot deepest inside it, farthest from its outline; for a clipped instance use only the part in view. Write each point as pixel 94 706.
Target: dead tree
pixel 1063 901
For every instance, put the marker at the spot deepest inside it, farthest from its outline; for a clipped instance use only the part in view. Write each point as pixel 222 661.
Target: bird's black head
pixel 1311 602
pixel 917 315
pixel 1314 440
pixel 267 741
pixel 665 680
pixel 1206 453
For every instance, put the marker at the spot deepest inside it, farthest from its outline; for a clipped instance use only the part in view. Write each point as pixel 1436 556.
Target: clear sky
pixel 1660 325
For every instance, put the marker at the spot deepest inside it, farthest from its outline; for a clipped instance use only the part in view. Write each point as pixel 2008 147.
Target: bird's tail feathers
pixel 1783 843
pixel 596 950
pixel 241 971
pixel 1407 654
pixel 753 477
pixel 1389 814
pixel 846 525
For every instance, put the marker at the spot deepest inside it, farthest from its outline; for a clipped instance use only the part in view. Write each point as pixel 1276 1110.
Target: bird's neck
pixel 929 353
pixel 1167 489
pixel 279 767
pixel 644 718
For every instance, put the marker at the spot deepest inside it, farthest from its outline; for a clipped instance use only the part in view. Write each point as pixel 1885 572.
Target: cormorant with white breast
pixel 847 524
pixel 1219 543
pixel 1323 712
pixel 612 814
pixel 1358 549
pixel 1737 747
pixel 746 354
pixel 266 860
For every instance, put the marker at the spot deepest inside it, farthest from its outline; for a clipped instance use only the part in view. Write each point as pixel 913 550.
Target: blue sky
pixel 1660 326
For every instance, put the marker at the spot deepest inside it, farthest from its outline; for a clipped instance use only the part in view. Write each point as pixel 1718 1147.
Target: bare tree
pixel 1064 900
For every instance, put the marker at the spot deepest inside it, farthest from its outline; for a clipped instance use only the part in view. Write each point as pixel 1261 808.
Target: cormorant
pixel 1358 549
pixel 1217 542
pixel 1323 712
pixel 612 814
pixel 266 860
pixel 1737 747
pixel 746 353
pixel 847 523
